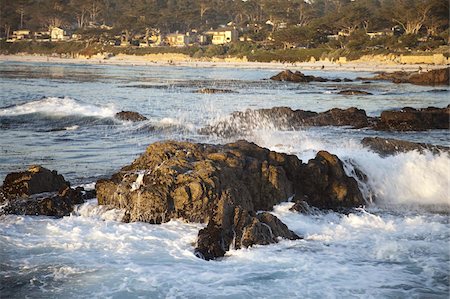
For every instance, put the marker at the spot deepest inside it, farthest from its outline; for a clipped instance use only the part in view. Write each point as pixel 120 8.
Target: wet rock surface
pixel 410 119
pixel 38 191
pixel 130 116
pixel 433 77
pixel 299 77
pixel 353 92
pixel 284 118
pixel 389 146
pixel 224 186
pixel 241 123
pixel 325 185
pixel 214 90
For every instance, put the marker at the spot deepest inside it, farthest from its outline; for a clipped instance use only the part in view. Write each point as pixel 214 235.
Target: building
pixel 58 34
pixel 42 36
pixel 223 36
pixel 373 35
pixel 19 35
pixel 178 39
pixel 154 39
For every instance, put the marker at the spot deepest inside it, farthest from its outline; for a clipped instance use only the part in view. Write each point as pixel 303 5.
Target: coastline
pixel 186 61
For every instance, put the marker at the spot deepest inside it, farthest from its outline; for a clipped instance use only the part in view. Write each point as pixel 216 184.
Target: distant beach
pixel 184 61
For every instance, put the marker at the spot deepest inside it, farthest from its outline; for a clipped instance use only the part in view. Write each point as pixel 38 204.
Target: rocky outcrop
pixel 410 119
pixel 224 186
pixel 352 117
pixel 325 185
pixel 214 90
pixel 36 179
pixel 354 92
pixel 299 77
pixel 388 146
pixel 242 123
pixel 38 191
pixel 247 229
pixel 130 116
pixel 433 77
pixel 284 118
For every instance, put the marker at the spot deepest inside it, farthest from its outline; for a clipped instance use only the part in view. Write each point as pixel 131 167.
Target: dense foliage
pixel 278 23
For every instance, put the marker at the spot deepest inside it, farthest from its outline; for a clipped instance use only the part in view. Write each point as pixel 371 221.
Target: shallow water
pixel 61 116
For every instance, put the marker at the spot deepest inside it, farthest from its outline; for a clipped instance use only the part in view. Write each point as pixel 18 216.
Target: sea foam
pixel 59 107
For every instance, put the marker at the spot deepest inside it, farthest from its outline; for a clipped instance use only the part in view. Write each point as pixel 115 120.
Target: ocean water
pixel 61 116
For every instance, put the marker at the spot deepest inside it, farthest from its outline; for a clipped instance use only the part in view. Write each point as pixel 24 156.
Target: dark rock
pixel 353 92
pixel 38 191
pixel 410 119
pixel 388 146
pixel 36 179
pixel 130 116
pixel 298 77
pixel 214 90
pixel 433 77
pixel 301 206
pixel 353 117
pixel 86 194
pixel 223 185
pixel 284 118
pixel 326 186
pixel 246 230
pixel 49 204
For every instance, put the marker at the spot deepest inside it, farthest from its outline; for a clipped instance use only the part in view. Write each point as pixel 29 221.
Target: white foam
pixel 410 178
pixel 60 107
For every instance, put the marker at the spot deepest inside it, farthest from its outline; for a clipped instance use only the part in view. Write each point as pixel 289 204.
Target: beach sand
pixel 185 61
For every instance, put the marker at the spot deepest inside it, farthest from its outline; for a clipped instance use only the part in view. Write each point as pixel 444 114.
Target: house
pixel 154 39
pixel 333 36
pixel 42 36
pixel 178 39
pixel 343 33
pixel 223 35
pixel 17 35
pixel 373 35
pixel 58 34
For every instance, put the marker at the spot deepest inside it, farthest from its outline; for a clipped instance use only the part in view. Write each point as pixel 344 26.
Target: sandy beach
pixel 185 61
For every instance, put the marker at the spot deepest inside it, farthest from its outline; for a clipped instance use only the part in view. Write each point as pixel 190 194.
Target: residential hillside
pixel 231 27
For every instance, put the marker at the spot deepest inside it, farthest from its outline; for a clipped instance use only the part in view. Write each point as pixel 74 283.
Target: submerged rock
pixel 353 92
pixel 388 146
pixel 214 90
pixel 410 119
pixel 224 186
pixel 433 77
pixel 38 191
pixel 130 116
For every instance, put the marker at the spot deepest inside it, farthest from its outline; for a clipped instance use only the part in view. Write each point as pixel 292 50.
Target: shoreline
pixel 164 60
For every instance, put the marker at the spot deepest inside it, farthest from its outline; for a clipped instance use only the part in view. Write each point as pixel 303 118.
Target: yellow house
pixel 58 34
pixel 154 39
pixel 223 36
pixel 178 39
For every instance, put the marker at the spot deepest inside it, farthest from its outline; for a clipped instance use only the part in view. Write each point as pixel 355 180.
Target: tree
pixel 411 15
pixel 294 36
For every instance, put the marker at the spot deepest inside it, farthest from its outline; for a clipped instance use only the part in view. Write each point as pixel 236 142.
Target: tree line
pixel 282 19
